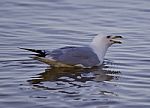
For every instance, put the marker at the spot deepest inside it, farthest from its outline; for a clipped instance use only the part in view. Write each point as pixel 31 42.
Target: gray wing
pixel 75 55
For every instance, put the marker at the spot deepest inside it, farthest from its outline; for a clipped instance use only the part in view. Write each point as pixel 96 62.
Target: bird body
pixel 86 56
pixel 75 56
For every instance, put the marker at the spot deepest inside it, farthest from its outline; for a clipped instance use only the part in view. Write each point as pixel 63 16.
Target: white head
pixel 100 44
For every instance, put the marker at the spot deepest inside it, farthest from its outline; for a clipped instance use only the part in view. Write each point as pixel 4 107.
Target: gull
pixel 73 56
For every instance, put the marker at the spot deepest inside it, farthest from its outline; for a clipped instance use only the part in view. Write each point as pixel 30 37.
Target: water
pixel 123 81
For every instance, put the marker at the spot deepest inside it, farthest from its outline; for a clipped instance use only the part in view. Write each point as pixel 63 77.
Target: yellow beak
pixel 114 39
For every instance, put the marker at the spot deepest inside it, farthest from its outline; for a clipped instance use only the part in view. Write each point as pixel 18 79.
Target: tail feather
pixel 40 53
pixel 41 57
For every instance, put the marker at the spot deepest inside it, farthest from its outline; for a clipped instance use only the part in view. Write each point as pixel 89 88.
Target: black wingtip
pixel 40 53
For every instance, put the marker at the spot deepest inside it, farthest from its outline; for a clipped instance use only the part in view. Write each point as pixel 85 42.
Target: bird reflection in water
pixel 75 74
pixel 69 80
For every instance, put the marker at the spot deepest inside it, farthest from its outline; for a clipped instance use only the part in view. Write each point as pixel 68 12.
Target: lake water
pixel 122 82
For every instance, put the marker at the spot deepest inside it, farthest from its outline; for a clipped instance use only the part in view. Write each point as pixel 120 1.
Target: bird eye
pixel 108 36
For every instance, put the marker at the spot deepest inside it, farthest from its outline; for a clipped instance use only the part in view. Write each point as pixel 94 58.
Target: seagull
pixel 73 56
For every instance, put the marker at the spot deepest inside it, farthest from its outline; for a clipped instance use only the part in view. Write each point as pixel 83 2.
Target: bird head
pixel 100 44
pixel 106 40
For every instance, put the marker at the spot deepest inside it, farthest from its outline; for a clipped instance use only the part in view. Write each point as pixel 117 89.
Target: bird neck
pixel 100 50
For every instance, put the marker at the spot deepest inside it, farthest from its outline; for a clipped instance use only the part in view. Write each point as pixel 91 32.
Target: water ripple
pixel 123 80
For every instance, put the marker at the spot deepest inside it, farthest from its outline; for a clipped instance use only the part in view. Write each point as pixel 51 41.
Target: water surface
pixel 123 81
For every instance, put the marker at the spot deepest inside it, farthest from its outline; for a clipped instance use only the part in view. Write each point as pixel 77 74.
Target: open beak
pixel 114 39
